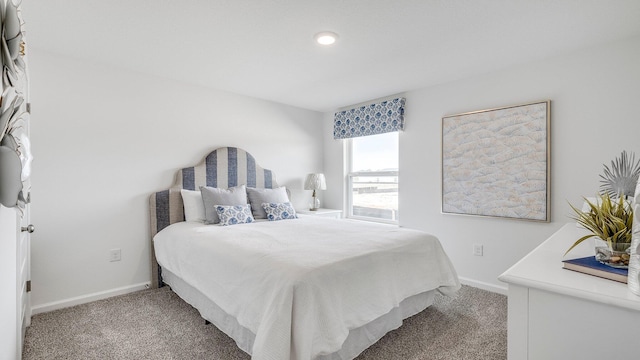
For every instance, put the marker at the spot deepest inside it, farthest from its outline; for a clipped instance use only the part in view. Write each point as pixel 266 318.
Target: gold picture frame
pixel 496 162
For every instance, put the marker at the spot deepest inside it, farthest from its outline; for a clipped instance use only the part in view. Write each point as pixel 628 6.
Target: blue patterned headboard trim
pixel 224 167
pixel 188 179
pixel 162 210
pixel 212 174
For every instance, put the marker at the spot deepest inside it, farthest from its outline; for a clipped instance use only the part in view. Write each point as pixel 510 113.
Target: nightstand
pixel 329 213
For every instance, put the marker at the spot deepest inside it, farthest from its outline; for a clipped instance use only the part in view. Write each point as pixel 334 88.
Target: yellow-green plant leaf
pixel 578 242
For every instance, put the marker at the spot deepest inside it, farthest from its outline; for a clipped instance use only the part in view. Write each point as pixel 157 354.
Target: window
pixel 372 184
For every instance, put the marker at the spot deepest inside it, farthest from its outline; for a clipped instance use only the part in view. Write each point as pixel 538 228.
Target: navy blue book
pixel 589 265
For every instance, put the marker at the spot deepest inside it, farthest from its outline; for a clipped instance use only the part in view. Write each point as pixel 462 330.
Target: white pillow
pixel 193 205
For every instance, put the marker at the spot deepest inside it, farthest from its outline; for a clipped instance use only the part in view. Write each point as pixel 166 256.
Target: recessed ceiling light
pixel 326 38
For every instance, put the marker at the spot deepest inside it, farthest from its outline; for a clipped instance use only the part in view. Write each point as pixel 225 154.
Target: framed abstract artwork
pixel 496 162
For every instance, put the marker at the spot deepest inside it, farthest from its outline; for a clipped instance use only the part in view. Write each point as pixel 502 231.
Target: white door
pixel 15 309
pixel 24 275
pixel 25 229
pixel 24 254
pixel 9 325
pixel 23 260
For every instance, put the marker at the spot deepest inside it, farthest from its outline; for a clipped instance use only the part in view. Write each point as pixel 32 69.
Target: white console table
pixel 556 313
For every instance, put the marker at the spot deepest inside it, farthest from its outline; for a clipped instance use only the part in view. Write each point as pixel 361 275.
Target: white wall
pixel 104 139
pixel 594 116
pixel 9 290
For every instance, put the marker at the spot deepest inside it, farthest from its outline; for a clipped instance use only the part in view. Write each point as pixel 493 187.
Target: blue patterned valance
pixel 373 119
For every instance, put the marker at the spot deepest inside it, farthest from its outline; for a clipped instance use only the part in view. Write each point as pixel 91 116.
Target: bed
pixel 300 288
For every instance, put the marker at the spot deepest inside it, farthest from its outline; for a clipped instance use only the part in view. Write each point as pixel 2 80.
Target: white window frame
pixel 349 185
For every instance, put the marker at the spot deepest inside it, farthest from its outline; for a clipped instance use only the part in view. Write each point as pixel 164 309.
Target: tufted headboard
pixel 223 168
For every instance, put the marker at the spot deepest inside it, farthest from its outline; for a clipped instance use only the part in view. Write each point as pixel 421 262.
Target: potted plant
pixel 610 217
pixel 610 222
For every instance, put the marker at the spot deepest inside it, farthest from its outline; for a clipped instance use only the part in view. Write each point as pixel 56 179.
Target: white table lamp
pixel 315 182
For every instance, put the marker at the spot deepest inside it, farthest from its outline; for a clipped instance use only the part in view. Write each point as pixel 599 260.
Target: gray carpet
pixel 157 324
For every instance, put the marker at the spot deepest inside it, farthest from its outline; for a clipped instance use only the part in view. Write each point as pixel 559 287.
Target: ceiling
pixel 265 48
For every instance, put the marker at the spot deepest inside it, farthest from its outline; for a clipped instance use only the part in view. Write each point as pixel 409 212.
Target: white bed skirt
pixel 357 341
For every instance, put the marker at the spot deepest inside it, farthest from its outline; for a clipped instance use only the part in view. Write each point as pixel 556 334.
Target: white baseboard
pixel 37 309
pixel 484 286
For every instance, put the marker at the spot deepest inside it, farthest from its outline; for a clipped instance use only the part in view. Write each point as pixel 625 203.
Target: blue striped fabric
pixel 188 179
pixel 162 210
pixel 232 175
pixel 211 163
pixel 268 179
pixel 251 171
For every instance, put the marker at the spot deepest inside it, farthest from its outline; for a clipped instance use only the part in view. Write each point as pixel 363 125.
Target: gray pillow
pixel 259 196
pixel 214 196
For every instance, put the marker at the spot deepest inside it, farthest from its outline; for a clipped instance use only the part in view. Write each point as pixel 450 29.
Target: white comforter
pixel 301 285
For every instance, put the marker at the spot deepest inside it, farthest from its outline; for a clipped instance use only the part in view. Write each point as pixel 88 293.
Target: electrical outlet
pixel 115 255
pixel 477 249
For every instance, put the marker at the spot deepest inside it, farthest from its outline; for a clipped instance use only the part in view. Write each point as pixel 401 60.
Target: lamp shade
pixel 315 182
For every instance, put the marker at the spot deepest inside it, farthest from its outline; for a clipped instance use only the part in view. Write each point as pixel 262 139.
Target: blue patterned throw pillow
pixel 234 214
pixel 279 211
